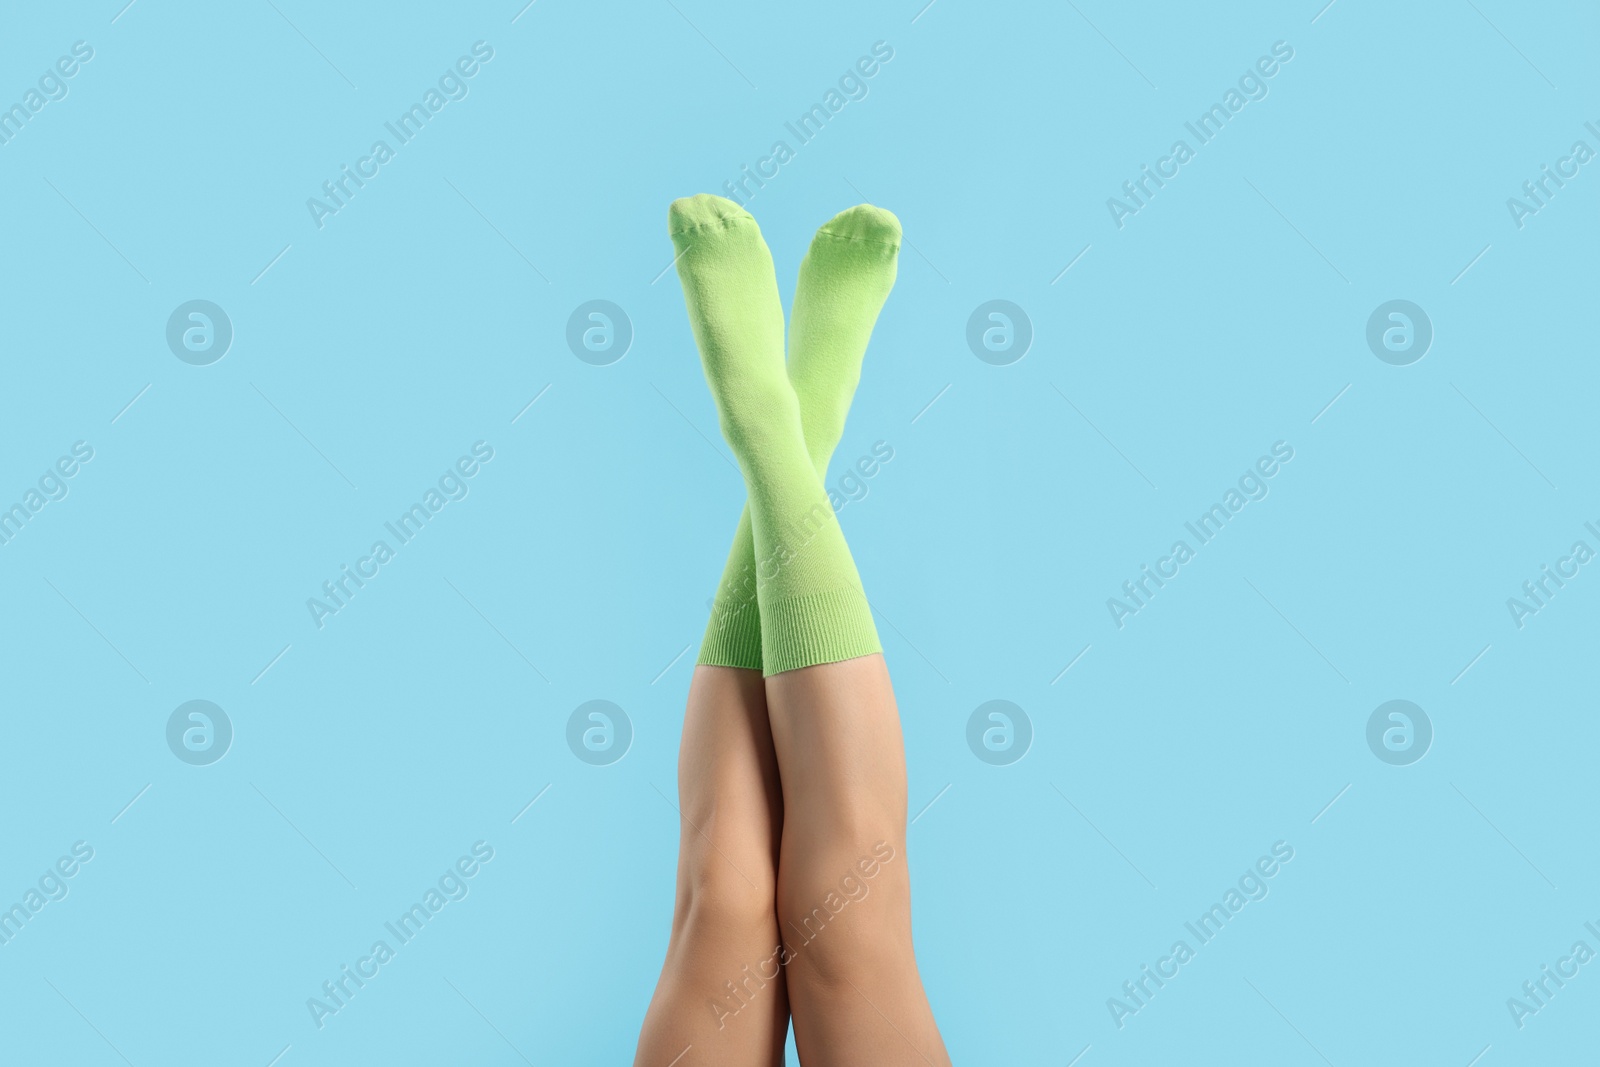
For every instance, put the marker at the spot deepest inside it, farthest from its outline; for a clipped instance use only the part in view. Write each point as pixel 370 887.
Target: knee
pixel 827 949
pixel 841 917
pixel 730 894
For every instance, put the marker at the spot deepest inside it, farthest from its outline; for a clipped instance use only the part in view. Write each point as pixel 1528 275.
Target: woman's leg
pixel 812 611
pixel 721 1000
pixel 844 890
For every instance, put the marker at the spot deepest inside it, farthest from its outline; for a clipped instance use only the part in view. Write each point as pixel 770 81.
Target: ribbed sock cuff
pixel 733 639
pixel 820 628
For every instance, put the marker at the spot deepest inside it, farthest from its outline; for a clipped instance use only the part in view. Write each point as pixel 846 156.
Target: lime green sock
pixel 810 602
pixel 844 280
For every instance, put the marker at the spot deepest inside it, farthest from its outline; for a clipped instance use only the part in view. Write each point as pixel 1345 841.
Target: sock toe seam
pixel 719 224
pixel 860 240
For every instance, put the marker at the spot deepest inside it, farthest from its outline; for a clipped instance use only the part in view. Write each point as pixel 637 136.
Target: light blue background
pixel 371 353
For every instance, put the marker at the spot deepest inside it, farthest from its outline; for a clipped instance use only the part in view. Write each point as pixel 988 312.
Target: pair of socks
pixel 790 596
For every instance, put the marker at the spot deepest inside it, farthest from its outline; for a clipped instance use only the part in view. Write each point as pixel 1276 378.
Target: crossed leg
pixel 844 891
pixel 792 884
pixel 814 860
pixel 721 999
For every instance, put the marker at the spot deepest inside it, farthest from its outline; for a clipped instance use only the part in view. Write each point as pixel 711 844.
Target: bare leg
pixel 721 1000
pixel 844 907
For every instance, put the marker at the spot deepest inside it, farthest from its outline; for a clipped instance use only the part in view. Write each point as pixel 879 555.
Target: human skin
pixel 854 989
pixel 731 813
pixel 785 787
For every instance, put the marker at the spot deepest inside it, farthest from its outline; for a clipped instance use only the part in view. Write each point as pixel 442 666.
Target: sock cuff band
pixel 819 628
pixel 733 640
